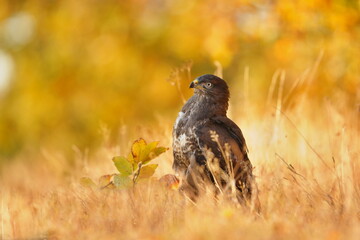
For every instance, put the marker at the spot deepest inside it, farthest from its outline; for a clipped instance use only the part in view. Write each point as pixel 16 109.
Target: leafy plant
pixel 132 169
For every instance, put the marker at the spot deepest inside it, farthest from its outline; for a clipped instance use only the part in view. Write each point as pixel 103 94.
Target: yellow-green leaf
pixel 147 171
pixel 152 145
pixel 137 148
pixel 154 153
pixel 145 153
pixel 159 150
pixel 87 182
pixel 123 165
pixel 130 158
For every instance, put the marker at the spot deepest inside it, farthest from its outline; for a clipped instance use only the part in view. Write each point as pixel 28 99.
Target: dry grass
pixel 306 160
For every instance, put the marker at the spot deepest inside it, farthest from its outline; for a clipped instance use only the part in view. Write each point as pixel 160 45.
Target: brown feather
pixel 201 119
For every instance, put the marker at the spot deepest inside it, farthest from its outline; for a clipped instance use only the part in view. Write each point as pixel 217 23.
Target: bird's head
pixel 210 85
pixel 211 94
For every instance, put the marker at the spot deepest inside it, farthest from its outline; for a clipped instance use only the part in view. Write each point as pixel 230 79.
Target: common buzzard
pixel 207 146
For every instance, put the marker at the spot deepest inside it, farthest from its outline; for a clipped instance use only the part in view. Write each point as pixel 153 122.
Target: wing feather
pixel 227 132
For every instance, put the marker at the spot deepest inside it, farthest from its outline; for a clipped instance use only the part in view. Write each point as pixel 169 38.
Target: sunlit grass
pixel 305 159
pixel 80 82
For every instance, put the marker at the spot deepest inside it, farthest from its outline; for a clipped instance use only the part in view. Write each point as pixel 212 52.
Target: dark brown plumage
pixel 203 137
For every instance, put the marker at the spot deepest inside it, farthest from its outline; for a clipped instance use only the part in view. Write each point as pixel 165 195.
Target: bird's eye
pixel 208 85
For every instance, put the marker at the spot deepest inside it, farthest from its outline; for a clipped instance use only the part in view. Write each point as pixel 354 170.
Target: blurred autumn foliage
pixel 68 66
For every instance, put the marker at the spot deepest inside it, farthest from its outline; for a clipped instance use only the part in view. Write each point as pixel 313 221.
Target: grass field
pixel 80 81
pixel 306 159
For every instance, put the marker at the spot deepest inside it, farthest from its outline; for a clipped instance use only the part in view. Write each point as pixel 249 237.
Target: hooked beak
pixel 194 83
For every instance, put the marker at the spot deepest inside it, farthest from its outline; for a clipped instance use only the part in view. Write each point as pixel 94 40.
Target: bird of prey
pixel 208 147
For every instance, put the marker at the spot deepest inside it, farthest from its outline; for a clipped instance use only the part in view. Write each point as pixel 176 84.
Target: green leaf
pixel 123 165
pixel 147 171
pixel 121 181
pixel 87 182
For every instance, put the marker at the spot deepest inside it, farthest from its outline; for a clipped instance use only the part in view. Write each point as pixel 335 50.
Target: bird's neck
pixel 206 107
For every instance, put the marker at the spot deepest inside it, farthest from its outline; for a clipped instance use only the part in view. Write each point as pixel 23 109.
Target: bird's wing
pixel 233 130
pixel 228 132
